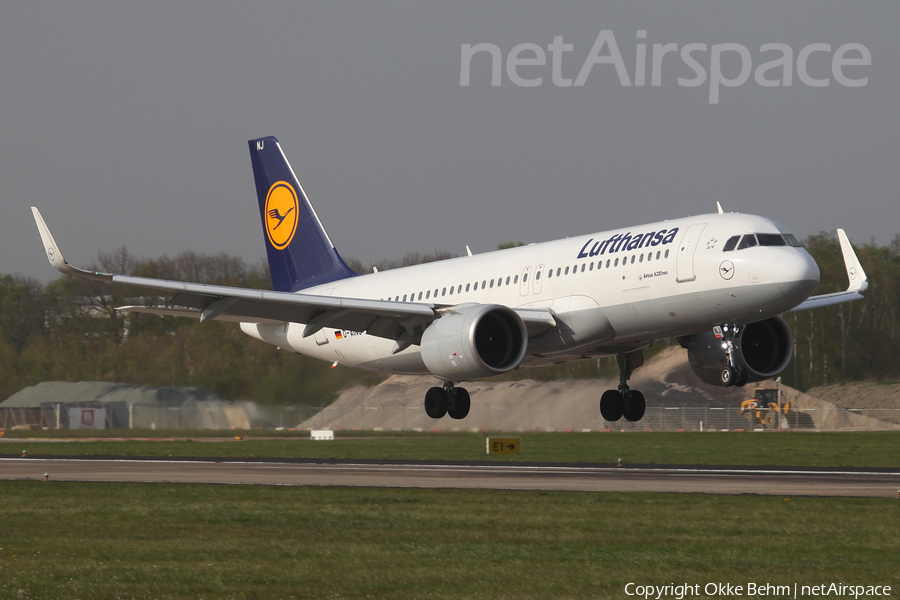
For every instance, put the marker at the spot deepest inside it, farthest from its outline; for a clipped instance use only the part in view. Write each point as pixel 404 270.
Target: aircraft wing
pixel 859 282
pixel 382 318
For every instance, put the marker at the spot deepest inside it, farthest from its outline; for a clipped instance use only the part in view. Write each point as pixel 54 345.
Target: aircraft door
pixel 684 262
pixel 538 274
pixel 525 284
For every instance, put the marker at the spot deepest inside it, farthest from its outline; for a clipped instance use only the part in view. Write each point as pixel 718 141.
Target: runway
pixel 709 480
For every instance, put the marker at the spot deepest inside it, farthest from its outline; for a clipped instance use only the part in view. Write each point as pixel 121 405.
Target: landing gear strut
pixel 624 402
pixel 731 373
pixel 447 400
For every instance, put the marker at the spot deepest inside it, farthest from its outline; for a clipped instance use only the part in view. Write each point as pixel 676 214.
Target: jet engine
pixel 762 350
pixel 474 341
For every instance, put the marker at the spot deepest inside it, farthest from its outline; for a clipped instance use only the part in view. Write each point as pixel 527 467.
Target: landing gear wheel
pixel 459 403
pixel 727 376
pixel 612 405
pixel 436 401
pixel 740 377
pixel 634 406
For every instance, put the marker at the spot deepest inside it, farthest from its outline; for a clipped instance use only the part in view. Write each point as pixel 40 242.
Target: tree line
pixel 69 330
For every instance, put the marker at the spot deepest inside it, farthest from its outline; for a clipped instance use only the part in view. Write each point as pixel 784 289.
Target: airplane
pixel 718 283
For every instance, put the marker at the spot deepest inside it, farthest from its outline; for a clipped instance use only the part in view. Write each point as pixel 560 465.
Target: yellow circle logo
pixel 281 214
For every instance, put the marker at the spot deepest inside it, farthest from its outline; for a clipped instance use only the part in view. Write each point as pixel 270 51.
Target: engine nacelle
pixel 473 342
pixel 762 350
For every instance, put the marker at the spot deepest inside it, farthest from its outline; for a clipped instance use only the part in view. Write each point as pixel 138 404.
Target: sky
pixel 127 123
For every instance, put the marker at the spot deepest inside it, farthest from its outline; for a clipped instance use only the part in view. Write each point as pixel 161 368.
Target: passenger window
pixel 642 258
pixel 537 276
pixel 770 239
pixel 420 295
pixel 550 273
pixel 667 254
pixel 484 283
pixel 607 263
pixel 616 264
pixel 574 269
pixel 396 298
pixel 468 285
pixel 435 292
pixel 731 243
pixel 459 289
pixel 428 294
pixel 591 268
pixel 524 277
pixel 582 267
pixel 748 241
pixel 649 256
pixel 451 290
pixel 444 292
pixel 404 297
pixel 557 272
pixel 567 270
pixel 657 255
pixel 516 281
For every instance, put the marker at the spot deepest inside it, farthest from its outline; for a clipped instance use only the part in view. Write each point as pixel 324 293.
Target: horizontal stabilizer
pixel 192 313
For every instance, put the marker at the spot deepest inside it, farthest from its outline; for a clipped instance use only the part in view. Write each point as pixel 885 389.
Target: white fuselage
pixel 610 292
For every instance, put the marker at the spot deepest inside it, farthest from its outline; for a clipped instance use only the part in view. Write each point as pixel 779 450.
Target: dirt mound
pixel 667 382
pixel 865 394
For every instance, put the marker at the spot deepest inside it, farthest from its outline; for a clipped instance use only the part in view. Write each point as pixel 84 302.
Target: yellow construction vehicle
pixel 763 408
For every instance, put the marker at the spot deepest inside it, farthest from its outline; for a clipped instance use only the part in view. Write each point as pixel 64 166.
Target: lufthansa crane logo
pixel 281 209
pixel 726 269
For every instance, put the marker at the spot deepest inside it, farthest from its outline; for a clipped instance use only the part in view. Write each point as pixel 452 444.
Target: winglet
pixel 859 282
pixel 719 208
pixel 54 255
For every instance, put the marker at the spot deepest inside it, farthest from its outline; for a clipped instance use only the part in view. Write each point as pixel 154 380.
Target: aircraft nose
pixel 799 271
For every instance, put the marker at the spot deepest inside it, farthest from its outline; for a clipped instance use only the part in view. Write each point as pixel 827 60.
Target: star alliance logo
pixel 281 214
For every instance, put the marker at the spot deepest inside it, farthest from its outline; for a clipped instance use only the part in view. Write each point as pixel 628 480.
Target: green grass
pixel 96 540
pixel 850 449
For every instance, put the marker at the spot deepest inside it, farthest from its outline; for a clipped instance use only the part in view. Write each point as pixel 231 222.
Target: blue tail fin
pixel 300 252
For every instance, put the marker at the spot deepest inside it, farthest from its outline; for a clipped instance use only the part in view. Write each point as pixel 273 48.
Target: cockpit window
pixel 792 241
pixel 748 241
pixel 770 239
pixel 731 243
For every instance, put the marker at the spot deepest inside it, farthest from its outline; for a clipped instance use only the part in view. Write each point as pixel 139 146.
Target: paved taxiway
pixel 713 480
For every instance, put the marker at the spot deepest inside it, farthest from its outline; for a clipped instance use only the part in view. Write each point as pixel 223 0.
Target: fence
pixel 484 417
pixel 658 418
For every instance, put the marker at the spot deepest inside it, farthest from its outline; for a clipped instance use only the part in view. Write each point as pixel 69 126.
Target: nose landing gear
pixel 731 373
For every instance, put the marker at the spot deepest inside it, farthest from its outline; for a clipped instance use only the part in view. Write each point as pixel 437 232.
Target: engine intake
pixel 473 342
pixel 763 350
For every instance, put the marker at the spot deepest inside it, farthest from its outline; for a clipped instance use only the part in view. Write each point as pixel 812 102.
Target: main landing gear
pixel 731 374
pixel 447 400
pixel 624 402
